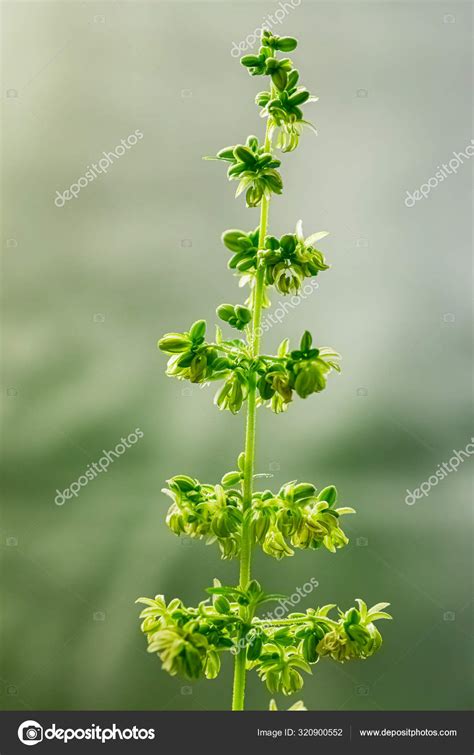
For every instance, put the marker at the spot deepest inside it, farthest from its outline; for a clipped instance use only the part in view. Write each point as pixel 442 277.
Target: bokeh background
pixel 89 287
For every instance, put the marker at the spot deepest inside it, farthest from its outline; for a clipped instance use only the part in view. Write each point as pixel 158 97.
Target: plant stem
pixel 238 696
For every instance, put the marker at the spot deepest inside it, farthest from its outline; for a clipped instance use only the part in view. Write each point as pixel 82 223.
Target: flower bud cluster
pixel 237 316
pixel 254 168
pixel 205 511
pixel 187 640
pixel 297 517
pixel 266 64
pixel 286 651
pixel 287 261
pixel 191 357
pixel 355 636
pixel 282 104
pixel 291 259
pixel 303 370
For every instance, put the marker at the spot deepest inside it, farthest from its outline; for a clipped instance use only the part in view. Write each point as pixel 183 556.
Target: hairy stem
pixel 238 696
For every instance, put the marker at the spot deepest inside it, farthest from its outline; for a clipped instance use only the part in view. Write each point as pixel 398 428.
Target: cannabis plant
pixel 233 514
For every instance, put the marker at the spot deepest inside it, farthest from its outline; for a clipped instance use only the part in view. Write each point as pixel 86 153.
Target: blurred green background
pixel 89 287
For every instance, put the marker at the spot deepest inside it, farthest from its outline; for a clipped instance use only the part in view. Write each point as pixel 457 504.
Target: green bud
pixel 273 180
pixel 198 368
pixel 234 240
pixel 275 545
pixel 184 483
pixel 309 648
pixel 186 359
pixel 303 490
pixel 280 78
pixel 307 381
pixel 286 44
pixel 226 154
pixel 174 343
pixel 263 98
pixel 225 312
pixel 252 143
pixel 231 478
pixel 298 98
pixel 254 588
pixel 293 77
pixel 254 648
pixel 244 154
pixel 271 64
pixel 328 494
pixel 358 633
pixel 243 313
pixel 221 604
pixel 265 389
pixel 352 616
pixel 253 195
pixel 288 244
pixel 192 661
pixel 212 665
pixel 198 330
pixel 306 341
pixel 250 61
pixel 243 262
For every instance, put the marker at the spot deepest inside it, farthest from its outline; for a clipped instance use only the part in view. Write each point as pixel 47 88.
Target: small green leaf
pixel 198 330
pixel 306 341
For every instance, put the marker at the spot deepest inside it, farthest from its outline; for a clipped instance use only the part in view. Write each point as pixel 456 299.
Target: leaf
pixel 379 607
pixel 269 597
pixel 376 616
pixel 299 230
pixel 283 348
pixel 316 237
pixel 146 601
pixel 325 609
pixel 362 609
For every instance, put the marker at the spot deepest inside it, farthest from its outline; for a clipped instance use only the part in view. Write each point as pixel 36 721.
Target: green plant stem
pixel 238 696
